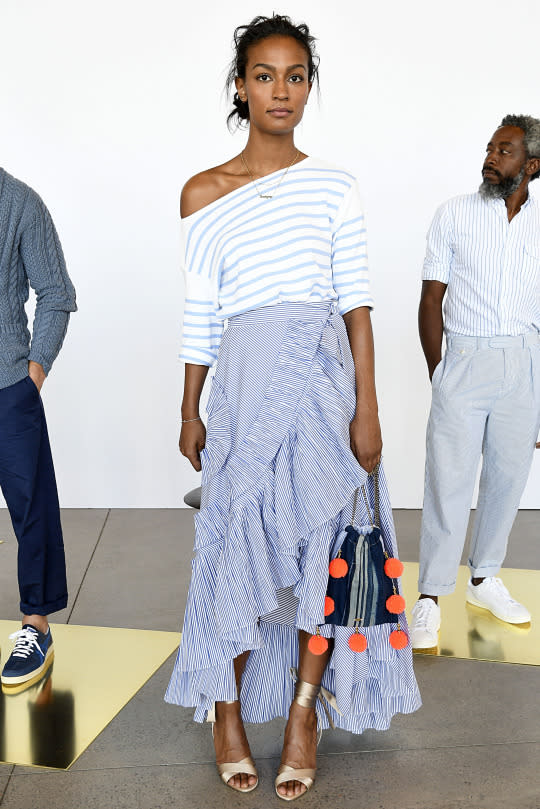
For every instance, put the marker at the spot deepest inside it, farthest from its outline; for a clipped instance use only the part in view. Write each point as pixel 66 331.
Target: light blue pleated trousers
pixel 485 403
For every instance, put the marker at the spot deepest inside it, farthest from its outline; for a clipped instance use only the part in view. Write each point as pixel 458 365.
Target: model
pixel 483 258
pixel 275 243
pixel 30 255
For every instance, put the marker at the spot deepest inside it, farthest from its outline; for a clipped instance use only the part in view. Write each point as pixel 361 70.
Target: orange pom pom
pixel 329 606
pixel 396 604
pixel 398 639
pixel 358 642
pixel 317 645
pixel 393 568
pixel 338 568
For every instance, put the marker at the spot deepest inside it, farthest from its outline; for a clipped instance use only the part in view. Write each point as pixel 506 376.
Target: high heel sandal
pixel 229 769
pixel 305 694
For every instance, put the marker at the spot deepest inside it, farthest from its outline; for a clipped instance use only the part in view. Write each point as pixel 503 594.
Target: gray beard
pixel 503 189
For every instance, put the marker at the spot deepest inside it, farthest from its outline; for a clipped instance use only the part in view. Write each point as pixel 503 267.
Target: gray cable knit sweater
pixel 30 254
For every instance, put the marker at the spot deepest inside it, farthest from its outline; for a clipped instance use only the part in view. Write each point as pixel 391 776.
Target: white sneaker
pixel 426 622
pixel 492 595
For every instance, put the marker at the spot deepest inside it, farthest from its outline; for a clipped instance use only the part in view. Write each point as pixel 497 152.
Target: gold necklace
pixel 269 196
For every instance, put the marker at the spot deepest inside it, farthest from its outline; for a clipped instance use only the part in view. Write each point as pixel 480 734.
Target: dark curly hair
pixel 247 35
pixel 531 134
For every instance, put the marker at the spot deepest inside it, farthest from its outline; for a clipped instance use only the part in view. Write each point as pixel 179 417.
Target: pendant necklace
pixel 269 196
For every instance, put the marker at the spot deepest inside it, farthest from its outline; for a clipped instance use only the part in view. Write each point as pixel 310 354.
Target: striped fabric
pixel 278 483
pixel 241 252
pixel 485 406
pixel 491 266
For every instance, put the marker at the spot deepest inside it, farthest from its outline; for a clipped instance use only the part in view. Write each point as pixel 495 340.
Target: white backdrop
pixel 108 107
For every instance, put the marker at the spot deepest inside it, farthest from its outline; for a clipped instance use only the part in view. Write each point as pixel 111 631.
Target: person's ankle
pixel 433 598
pixel 302 715
pixel 39 622
pixel 226 710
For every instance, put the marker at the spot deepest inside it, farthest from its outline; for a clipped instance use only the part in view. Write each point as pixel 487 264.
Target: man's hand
pixel 431 369
pixel 36 374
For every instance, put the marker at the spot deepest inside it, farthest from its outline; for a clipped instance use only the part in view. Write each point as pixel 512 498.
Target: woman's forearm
pixel 358 324
pixel 365 430
pixel 194 379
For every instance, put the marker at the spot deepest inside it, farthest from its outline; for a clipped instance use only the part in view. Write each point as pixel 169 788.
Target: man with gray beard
pixel 483 259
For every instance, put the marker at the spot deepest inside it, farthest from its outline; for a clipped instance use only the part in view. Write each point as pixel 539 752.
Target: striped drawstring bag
pixel 362 583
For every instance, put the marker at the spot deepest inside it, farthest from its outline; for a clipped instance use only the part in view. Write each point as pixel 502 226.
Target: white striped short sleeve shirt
pixel 491 265
pixel 241 252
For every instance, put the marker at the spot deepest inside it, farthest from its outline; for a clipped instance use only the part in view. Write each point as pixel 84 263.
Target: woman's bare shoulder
pixel 206 187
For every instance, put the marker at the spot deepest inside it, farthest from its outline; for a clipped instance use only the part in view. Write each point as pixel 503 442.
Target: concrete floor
pixel 474 743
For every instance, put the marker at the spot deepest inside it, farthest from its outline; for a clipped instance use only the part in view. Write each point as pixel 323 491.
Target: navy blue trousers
pixel 29 488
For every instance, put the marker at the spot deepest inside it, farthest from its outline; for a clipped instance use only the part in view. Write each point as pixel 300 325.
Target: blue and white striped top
pixel 241 252
pixel 491 266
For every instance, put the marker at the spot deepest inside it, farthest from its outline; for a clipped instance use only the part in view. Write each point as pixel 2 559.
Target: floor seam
pixel 270 758
pixel 10 776
pixel 431 747
pixel 88 565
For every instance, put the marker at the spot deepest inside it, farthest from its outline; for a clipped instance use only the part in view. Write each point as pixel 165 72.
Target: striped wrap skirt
pixel 278 481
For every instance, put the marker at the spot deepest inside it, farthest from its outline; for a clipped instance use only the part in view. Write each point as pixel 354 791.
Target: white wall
pixel 108 107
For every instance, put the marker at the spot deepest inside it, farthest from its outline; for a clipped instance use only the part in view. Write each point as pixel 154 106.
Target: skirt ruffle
pixel 278 481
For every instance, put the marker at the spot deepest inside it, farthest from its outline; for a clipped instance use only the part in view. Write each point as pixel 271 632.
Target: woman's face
pixel 276 84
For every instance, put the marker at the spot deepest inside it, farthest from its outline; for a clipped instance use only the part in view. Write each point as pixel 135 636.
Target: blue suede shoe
pixel 32 655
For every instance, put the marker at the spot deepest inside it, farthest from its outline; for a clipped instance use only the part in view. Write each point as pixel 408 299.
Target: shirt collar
pixel 500 206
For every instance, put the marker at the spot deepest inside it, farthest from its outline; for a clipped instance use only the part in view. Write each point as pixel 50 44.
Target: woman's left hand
pixel 366 439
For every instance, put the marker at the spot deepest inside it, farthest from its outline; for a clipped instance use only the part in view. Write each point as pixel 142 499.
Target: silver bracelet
pixel 185 421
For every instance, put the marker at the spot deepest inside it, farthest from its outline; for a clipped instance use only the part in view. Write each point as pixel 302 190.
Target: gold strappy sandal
pixel 305 694
pixel 229 769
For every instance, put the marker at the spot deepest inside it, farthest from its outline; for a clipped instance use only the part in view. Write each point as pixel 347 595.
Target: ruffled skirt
pixel 278 481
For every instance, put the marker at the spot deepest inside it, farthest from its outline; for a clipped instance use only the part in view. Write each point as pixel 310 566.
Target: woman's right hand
pixel 192 441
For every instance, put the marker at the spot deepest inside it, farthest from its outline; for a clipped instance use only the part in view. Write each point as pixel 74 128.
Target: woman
pixel 274 242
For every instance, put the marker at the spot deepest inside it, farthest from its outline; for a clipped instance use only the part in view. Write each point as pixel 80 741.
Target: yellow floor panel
pixel 96 671
pixel 475 634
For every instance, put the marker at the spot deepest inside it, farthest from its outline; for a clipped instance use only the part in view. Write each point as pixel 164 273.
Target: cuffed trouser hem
pixel 483 572
pixel 427 589
pixel 29 486
pixel 44 609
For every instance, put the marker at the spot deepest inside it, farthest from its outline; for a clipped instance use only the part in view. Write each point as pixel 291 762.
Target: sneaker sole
pixel 428 649
pixel 471 600
pixel 37 680
pixel 32 675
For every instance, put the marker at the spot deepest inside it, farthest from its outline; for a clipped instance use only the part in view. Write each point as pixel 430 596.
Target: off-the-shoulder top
pixel 242 252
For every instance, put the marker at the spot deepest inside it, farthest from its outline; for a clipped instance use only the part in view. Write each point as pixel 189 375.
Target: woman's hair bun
pixel 241 109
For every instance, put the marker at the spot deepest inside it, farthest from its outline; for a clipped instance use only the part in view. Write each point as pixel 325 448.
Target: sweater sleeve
pixel 350 274
pixel 439 253
pixel 202 330
pixel 41 254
